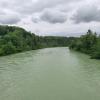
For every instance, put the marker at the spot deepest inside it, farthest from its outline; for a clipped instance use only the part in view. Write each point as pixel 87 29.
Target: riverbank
pixel 15 39
pixel 88 44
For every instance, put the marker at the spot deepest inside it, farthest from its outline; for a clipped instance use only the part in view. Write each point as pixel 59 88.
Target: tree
pixel 7 49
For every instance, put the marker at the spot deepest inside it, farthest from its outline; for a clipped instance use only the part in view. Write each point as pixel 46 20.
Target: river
pixel 49 74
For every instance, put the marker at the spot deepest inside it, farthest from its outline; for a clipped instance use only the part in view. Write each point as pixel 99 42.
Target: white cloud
pixel 51 16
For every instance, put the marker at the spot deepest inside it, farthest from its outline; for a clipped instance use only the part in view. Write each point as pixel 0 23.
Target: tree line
pixel 88 43
pixel 15 39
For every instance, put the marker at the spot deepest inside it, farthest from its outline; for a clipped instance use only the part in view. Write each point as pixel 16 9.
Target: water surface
pixel 49 74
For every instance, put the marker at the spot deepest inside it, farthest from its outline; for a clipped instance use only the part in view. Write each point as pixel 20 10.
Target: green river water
pixel 49 74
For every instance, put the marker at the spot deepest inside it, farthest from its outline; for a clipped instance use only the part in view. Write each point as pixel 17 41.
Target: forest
pixel 15 39
pixel 88 43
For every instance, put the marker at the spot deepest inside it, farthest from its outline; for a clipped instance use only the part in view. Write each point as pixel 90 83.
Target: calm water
pixel 49 74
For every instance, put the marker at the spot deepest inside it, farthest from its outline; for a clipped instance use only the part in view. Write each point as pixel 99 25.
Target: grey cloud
pixel 35 19
pixel 87 14
pixel 53 16
pixel 50 12
pixel 31 6
pixel 9 19
pixel 42 4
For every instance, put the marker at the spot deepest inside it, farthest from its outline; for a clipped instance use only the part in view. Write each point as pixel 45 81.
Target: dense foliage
pixel 14 39
pixel 89 44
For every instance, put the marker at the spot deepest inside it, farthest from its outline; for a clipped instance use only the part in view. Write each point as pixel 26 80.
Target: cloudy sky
pixel 52 17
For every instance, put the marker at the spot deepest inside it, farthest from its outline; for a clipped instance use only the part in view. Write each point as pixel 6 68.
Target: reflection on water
pixel 49 74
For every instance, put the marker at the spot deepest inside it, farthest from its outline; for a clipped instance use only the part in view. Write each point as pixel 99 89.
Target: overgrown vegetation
pixel 89 44
pixel 14 39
